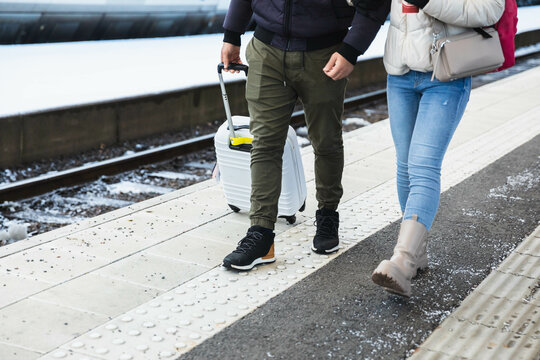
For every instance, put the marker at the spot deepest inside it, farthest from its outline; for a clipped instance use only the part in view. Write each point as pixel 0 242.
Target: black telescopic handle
pixel 233 66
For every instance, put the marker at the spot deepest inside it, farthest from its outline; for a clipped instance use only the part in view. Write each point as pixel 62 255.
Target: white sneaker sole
pixel 334 249
pixel 255 262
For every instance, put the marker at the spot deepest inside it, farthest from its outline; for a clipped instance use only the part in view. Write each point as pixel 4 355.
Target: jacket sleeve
pixel 237 20
pixel 466 13
pixel 364 28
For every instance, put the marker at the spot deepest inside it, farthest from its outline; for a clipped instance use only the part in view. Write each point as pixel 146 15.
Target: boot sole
pixel 258 261
pixel 388 284
pixel 322 251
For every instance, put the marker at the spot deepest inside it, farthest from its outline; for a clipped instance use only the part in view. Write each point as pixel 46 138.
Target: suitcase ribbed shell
pixel 235 174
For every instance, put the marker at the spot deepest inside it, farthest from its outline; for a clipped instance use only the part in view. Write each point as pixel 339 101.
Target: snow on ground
pixel 527 178
pixel 528 50
pixel 200 165
pixel 124 187
pixel 50 76
pixel 356 121
pixel 174 175
pixel 46 217
pixel 14 232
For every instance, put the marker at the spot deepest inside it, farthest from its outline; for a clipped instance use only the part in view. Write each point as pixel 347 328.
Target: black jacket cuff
pixel 232 37
pixel 349 53
pixel 419 3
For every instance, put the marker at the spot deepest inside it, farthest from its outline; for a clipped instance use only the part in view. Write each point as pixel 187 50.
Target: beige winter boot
pixel 409 255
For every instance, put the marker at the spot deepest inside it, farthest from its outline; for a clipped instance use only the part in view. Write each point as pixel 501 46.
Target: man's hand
pixel 338 67
pixel 230 54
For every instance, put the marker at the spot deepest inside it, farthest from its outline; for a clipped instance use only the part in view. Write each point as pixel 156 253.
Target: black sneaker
pixel 326 239
pixel 257 247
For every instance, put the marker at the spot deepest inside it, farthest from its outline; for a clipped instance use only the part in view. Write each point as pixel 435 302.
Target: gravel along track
pixel 68 205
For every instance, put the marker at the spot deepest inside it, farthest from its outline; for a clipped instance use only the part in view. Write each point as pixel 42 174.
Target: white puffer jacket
pixel 410 36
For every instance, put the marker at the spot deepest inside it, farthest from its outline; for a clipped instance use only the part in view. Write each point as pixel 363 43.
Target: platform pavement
pixel 149 270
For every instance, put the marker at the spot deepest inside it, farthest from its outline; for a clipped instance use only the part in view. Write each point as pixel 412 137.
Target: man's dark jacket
pixel 303 25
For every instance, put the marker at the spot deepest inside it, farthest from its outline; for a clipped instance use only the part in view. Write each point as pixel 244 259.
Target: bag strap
pixel 483 32
pixel 438 29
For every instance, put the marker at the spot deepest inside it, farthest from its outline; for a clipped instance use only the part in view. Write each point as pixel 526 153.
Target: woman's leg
pixel 403 101
pixel 441 108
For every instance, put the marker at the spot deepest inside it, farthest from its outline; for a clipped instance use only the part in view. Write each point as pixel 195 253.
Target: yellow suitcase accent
pixel 240 141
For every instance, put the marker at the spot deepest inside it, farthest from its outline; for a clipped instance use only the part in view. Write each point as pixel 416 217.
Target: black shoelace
pixel 327 226
pixel 248 242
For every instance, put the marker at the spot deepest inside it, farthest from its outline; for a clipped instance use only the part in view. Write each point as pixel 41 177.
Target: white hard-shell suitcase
pixel 233 144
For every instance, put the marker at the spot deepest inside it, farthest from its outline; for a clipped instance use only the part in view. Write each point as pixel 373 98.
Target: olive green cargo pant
pixel 273 86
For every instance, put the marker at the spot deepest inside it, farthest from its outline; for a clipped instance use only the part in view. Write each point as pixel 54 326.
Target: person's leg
pixel 441 108
pixel 323 100
pixel 270 105
pixel 323 104
pixel 403 102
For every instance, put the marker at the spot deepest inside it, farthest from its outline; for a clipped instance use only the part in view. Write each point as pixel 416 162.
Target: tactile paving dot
pixel 59 354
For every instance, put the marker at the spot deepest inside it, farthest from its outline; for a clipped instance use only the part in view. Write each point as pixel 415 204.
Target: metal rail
pixel 45 183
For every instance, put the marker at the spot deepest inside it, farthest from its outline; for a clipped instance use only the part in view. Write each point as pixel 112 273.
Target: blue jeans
pixel 423 117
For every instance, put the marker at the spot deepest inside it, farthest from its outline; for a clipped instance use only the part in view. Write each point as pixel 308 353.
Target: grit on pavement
pixel 338 313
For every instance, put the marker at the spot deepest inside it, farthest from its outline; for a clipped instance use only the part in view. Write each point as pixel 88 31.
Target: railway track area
pixel 46 195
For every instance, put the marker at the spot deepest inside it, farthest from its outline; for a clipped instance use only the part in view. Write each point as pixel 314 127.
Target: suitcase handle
pixel 232 66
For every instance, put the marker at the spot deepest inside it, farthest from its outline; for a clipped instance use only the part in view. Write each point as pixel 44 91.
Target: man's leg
pixel 270 106
pixel 323 103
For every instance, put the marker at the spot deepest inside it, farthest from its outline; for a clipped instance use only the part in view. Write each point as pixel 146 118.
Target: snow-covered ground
pixel 50 76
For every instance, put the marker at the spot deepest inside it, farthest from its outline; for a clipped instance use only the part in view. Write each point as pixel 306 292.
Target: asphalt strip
pixel 338 313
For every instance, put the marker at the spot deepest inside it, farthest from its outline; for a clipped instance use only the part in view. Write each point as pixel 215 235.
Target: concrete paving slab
pixel 509 286
pixel 151 225
pixel 98 294
pixel 15 288
pixel 41 326
pixel 53 265
pixel 104 243
pixel 194 249
pixel 523 265
pixel 10 352
pixel 480 342
pixel 153 271
pixel 224 230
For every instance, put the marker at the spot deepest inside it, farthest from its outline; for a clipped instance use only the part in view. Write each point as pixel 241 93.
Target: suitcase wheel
pixel 290 219
pixel 303 206
pixel 234 208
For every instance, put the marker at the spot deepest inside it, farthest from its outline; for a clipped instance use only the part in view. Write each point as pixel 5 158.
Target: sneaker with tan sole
pixel 257 247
